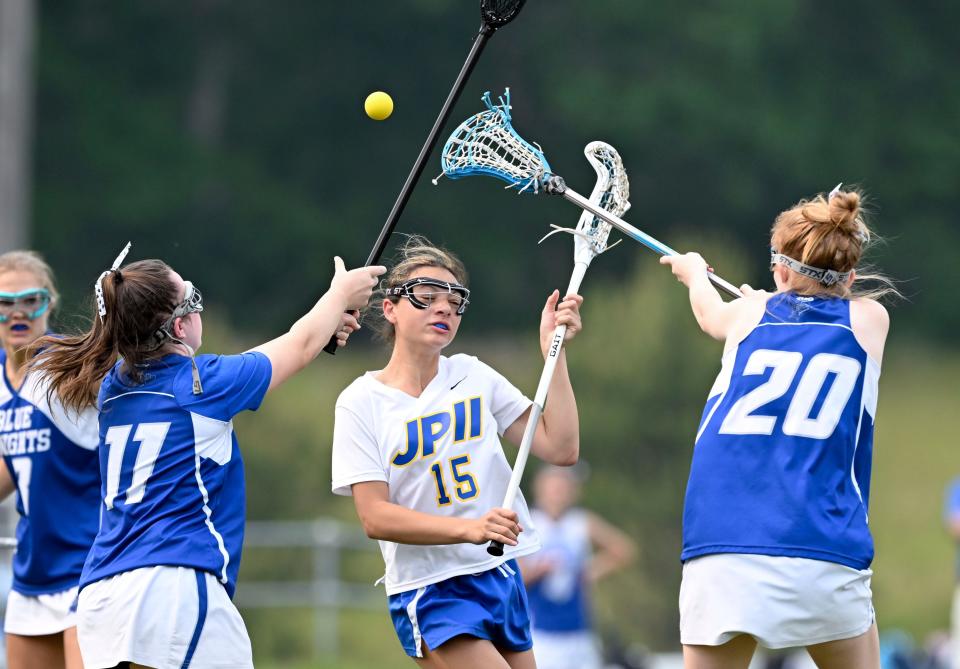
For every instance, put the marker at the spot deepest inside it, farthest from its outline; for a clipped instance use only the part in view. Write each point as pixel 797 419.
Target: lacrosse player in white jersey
pixel 417 445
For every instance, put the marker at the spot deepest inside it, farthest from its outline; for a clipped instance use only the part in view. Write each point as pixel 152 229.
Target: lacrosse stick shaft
pixel 539 402
pixel 478 43
pixel 639 235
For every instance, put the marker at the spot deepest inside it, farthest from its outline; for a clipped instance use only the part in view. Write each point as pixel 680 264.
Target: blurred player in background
pixel 579 548
pixel 951 517
pixel 417 445
pixel 157 583
pixel 50 460
pixel 776 546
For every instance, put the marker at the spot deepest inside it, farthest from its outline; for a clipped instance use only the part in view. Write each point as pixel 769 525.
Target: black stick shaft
pixel 478 43
pixel 421 161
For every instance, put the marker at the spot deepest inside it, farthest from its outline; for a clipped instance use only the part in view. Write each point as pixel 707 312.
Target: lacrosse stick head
pixel 498 13
pixel 611 193
pixel 486 143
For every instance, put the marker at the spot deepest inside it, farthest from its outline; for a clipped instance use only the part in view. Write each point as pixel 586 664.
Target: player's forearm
pixel 706 303
pixel 390 522
pixel 311 332
pixel 560 421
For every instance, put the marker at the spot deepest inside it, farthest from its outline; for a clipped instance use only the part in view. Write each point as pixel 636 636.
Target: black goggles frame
pixel 405 289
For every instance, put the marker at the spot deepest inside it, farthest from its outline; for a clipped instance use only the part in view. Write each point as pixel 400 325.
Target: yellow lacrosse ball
pixel 378 106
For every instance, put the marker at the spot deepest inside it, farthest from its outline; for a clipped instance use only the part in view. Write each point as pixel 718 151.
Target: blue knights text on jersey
pixel 172 476
pixel 52 458
pixel 782 459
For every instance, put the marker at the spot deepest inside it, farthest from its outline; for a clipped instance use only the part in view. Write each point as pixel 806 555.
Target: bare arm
pixel 614 549
pixel 871 323
pixel 7 486
pixel 557 439
pixel 714 316
pixel 384 520
pixel 294 350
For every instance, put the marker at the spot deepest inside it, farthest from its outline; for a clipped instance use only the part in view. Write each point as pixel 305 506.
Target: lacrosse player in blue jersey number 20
pixel 776 546
pixel 156 586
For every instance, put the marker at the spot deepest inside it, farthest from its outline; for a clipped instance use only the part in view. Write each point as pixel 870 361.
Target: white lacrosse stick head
pixel 611 193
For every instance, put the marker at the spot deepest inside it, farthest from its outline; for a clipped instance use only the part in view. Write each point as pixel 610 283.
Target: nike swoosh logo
pixel 457 383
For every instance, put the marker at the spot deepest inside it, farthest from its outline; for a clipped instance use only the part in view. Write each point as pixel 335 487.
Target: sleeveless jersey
pixel 51 454
pixel 559 601
pixel 782 459
pixel 438 453
pixel 172 476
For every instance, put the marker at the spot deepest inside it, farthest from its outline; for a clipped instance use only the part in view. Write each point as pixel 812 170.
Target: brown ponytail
pixel 138 299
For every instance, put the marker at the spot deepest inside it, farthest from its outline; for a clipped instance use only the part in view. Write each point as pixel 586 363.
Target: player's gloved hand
pixel 497 524
pixel 557 312
pixel 356 285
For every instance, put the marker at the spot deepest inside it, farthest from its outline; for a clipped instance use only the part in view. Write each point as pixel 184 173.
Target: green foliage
pixel 229 139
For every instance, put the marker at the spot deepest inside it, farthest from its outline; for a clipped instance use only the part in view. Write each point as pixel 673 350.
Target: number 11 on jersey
pixel 150 437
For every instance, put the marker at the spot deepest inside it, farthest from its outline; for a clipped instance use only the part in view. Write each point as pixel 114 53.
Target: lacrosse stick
pixel 494 14
pixel 589 240
pixel 486 143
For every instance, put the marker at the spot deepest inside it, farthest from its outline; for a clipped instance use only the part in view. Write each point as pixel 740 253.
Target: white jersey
pixel 438 453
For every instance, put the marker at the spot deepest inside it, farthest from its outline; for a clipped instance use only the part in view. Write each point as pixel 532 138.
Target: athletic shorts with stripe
pixel 489 605
pixel 161 617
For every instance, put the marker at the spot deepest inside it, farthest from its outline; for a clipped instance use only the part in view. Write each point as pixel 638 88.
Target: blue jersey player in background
pixel 578 549
pixel 776 546
pixel 156 585
pixel 50 460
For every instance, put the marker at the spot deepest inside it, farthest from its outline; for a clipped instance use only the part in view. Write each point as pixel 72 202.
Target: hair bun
pixel 844 207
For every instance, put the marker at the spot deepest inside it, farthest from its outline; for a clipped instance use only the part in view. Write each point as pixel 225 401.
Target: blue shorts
pixel 490 605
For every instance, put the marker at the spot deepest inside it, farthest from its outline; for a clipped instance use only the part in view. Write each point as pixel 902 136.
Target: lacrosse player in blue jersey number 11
pixel 417 445
pixel 776 546
pixel 156 586
pixel 50 460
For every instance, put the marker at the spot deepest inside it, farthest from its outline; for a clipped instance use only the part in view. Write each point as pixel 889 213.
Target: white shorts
pixel 565 650
pixel 37 615
pixel 161 617
pixel 783 602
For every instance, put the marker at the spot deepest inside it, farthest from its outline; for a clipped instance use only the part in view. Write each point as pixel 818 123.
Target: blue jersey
pixel 782 459
pixel 51 455
pixel 951 512
pixel 172 477
pixel 559 601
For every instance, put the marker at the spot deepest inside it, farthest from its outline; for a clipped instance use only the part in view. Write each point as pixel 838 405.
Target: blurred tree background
pixel 228 138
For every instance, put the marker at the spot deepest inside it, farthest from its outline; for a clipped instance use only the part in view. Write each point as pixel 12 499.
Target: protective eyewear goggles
pixel 32 303
pixel 192 303
pixel 423 291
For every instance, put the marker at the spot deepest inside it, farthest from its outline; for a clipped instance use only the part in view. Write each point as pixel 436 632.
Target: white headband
pixel 98 287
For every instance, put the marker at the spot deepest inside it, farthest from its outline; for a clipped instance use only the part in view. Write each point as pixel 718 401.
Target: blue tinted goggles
pixel 32 303
pixel 423 291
